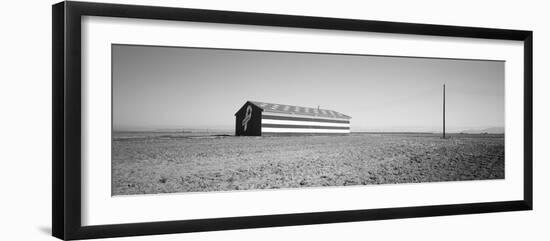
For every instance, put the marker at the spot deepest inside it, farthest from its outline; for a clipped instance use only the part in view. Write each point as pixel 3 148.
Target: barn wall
pixel 253 126
pixel 278 123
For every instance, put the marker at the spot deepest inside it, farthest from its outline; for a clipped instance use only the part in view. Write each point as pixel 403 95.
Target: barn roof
pixel 299 110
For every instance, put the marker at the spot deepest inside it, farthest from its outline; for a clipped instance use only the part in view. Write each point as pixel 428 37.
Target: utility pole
pixel 443 111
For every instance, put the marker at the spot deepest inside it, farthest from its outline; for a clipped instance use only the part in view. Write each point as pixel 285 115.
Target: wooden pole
pixel 443 111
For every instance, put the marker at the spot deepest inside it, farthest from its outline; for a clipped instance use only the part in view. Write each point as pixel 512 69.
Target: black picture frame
pixel 66 127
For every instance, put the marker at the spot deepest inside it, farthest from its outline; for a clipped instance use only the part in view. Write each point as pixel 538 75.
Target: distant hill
pixel 492 130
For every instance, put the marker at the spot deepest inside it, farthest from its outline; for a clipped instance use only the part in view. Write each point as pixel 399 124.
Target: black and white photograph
pixel 188 119
pixel 275 120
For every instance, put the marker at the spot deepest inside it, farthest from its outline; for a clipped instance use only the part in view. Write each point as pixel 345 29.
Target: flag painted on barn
pixel 259 118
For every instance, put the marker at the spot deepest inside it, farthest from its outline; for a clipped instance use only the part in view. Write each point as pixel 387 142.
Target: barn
pixel 259 118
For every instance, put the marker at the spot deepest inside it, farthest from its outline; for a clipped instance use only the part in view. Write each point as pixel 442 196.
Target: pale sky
pixel 168 87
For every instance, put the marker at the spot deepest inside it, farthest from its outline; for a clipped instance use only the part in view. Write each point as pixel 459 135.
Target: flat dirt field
pixel 167 163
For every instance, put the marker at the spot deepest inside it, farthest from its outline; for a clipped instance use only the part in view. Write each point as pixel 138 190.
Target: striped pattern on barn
pixel 295 124
pixel 287 119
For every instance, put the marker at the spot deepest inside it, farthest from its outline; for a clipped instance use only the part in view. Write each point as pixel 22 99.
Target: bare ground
pixel 167 164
